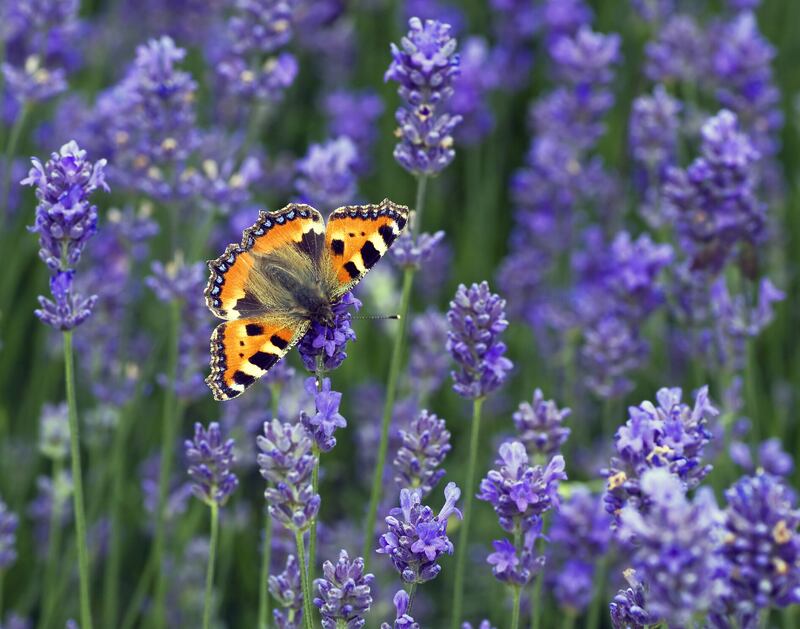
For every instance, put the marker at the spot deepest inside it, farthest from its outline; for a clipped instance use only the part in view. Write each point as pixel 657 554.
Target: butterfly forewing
pixel 357 236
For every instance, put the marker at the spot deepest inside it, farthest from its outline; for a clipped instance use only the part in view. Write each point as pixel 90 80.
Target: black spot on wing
pixel 264 360
pixel 369 254
pixel 337 246
pixel 253 329
pixel 311 243
pixel 352 269
pixel 387 233
pixel 240 377
pixel 278 342
pixel 248 304
pixel 401 221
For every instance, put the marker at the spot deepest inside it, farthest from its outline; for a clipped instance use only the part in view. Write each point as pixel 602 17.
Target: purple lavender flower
pixel 425 68
pixel 654 128
pixel 402 619
pixel 741 64
pixel 628 606
pixel 612 349
pixel 343 595
pixel 518 492
pixel 330 342
pixel 426 442
pixel 516 566
pixel 414 252
pixel 581 528
pixel 675 547
pixel 326 175
pixel 287 590
pixel 428 362
pixel 573 585
pixel 14 621
pixel 515 23
pixel 250 61
pixel 52 500
pixel 286 462
pixel 416 538
pixel 772 458
pixel 477 318
pixel 678 53
pixel 355 115
pixel 150 121
pixel 713 201
pixel 209 460
pixel 65 220
pixel 327 419
pixel 40 43
pixel 671 435
pixel 761 545
pixel 564 18
pixel 54 431
pixel 8 537
pixel 734 322
pixel 539 426
pixel 484 624
pixel 586 59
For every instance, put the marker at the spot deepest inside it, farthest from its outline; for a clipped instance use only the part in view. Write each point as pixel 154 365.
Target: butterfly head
pixel 322 313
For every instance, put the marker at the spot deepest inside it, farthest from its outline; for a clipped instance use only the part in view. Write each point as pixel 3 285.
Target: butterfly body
pixel 287 272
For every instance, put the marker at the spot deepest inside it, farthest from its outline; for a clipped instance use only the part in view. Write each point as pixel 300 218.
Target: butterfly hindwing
pixel 357 236
pixel 243 350
pixel 298 226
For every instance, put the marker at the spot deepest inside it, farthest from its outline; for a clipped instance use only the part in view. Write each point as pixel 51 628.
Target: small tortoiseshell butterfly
pixel 287 272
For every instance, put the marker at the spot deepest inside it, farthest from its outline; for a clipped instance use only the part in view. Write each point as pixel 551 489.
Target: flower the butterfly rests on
pixel 288 271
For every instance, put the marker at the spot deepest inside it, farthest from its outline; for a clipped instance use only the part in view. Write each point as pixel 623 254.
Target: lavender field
pixel 565 395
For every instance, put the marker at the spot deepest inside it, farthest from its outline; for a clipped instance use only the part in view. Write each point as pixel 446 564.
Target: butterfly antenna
pixel 377 317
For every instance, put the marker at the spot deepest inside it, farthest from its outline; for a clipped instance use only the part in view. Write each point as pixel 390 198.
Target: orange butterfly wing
pixel 243 350
pixel 295 225
pixel 357 236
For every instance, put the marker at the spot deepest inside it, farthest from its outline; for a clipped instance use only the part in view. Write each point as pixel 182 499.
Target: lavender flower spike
pixel 287 590
pixel 477 318
pixel 326 175
pixel 519 492
pixel 8 537
pixel 327 419
pixel 330 342
pixel 344 593
pixel 540 425
pixel 210 460
pixel 425 444
pixel 628 606
pixel 416 538
pixel 425 66
pixel 286 462
pixel 402 619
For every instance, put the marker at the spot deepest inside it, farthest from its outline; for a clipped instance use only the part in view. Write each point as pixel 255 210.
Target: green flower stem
pixel 77 481
pixel 1 594
pixel 312 536
pixel 391 385
pixel 391 394
pixel 113 566
pixel 137 600
pixel 169 426
pixel 266 552
pixel 536 594
pixel 515 607
pixel 53 546
pixel 569 620
pixel 301 560
pixel 598 598
pixel 462 548
pixel 212 556
pixel 412 590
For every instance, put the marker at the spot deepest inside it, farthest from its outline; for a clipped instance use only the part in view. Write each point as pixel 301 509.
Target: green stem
pixel 536 594
pixel 169 423
pixel 139 594
pixel 598 599
pixel 54 544
pixel 515 608
pixel 111 589
pixel 391 394
pixel 212 556
pixel 462 549
pixel 312 536
pixel 1 594
pixel 77 481
pixel 412 590
pixel 422 184
pixel 569 620
pixel 301 560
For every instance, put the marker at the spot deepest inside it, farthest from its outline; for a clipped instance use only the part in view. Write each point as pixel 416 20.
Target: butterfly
pixel 287 272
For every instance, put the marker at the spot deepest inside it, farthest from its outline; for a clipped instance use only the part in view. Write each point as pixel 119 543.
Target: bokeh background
pixel 537 226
